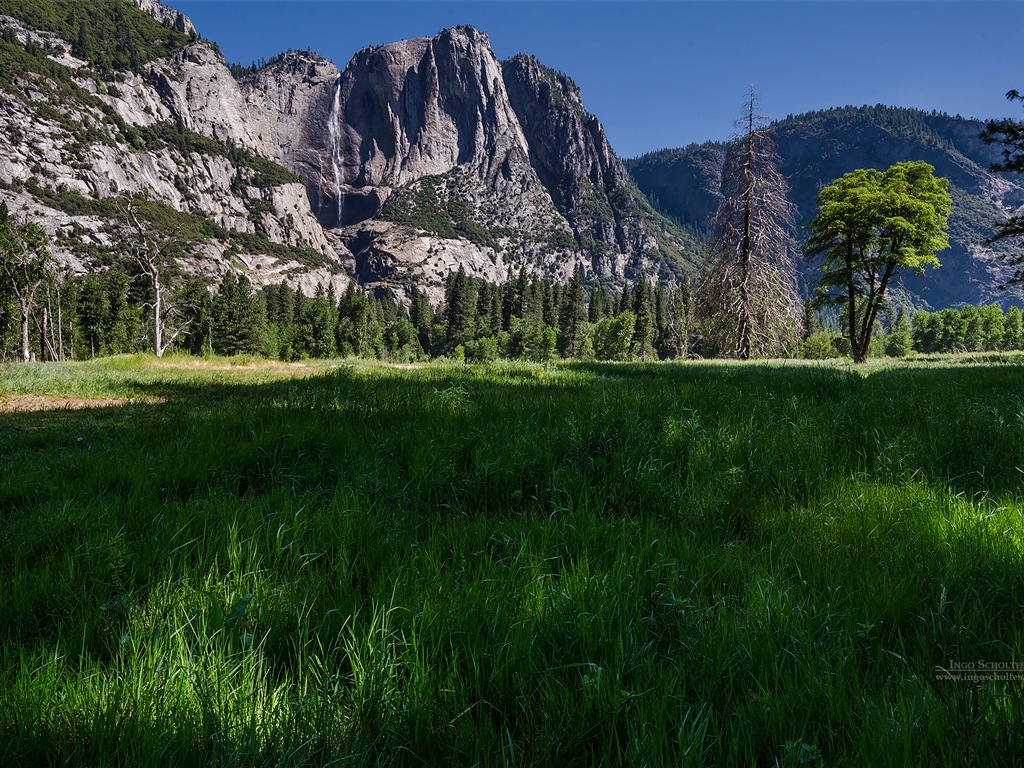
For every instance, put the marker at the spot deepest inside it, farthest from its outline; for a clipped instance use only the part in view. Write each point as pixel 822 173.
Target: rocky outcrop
pixel 423 108
pixel 196 87
pixel 179 135
pixel 169 16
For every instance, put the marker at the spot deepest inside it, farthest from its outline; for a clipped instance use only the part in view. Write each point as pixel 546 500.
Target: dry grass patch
pixel 36 403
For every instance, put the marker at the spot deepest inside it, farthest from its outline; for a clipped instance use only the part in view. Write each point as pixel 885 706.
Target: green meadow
pixel 244 564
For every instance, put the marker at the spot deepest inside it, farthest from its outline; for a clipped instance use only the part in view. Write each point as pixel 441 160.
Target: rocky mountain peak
pixel 418 108
pixel 166 15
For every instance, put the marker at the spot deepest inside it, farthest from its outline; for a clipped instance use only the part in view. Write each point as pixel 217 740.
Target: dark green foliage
pixel 574 315
pixel 93 309
pixel 421 314
pixel 644 328
pixel 239 318
pixel 198 317
pixel 900 341
pixel 968 329
pixel 112 35
pixel 360 324
pixel 461 312
pixel 318 330
pixel 435 204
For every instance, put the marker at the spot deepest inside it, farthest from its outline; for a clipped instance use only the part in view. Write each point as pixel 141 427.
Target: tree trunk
pixel 26 350
pixel 158 325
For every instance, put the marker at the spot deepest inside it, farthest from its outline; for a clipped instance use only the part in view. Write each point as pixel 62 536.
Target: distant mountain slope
pixel 818 147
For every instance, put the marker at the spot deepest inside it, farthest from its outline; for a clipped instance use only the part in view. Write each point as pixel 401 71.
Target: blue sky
pixel 667 73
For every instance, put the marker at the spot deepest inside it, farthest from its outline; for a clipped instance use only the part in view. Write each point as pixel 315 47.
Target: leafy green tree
pixel 1013 329
pixel 26 265
pixel 358 325
pixel 951 330
pixel 483 350
pixel 924 331
pixel 401 342
pixel 613 337
pixel 872 226
pixel 318 329
pixel 993 326
pixel 901 338
pixel 820 345
pixel 974 332
pixel 525 340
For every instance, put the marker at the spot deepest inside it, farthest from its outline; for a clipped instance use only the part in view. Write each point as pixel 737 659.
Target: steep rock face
pixel 72 143
pixel 291 103
pixel 440 140
pixel 571 155
pixel 196 86
pixel 423 108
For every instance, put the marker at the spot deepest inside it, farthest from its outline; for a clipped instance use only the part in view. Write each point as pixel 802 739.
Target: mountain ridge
pixel 820 146
pixel 417 158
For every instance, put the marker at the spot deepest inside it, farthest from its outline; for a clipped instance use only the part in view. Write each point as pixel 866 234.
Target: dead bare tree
pixel 680 312
pixel 748 299
pixel 152 251
pixel 26 265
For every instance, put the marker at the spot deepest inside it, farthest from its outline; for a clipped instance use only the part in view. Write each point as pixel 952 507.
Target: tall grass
pixel 516 564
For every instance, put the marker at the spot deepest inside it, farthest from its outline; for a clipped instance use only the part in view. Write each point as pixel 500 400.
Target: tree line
pixel 524 317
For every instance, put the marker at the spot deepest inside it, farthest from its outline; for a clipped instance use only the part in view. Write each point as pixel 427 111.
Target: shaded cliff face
pixel 573 159
pixel 434 141
pixel 819 147
pixel 423 108
pixel 291 101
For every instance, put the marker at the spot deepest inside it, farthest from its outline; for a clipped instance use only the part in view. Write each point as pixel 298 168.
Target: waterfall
pixel 334 145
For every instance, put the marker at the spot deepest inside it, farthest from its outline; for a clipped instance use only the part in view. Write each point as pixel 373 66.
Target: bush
pixel 483 350
pixel 821 346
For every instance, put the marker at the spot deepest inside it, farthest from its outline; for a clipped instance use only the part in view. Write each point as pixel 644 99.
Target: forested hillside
pixel 818 147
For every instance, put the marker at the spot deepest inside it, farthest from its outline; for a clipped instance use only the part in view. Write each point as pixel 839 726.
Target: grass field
pixel 671 564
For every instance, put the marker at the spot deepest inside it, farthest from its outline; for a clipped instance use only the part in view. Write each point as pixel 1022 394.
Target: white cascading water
pixel 334 145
